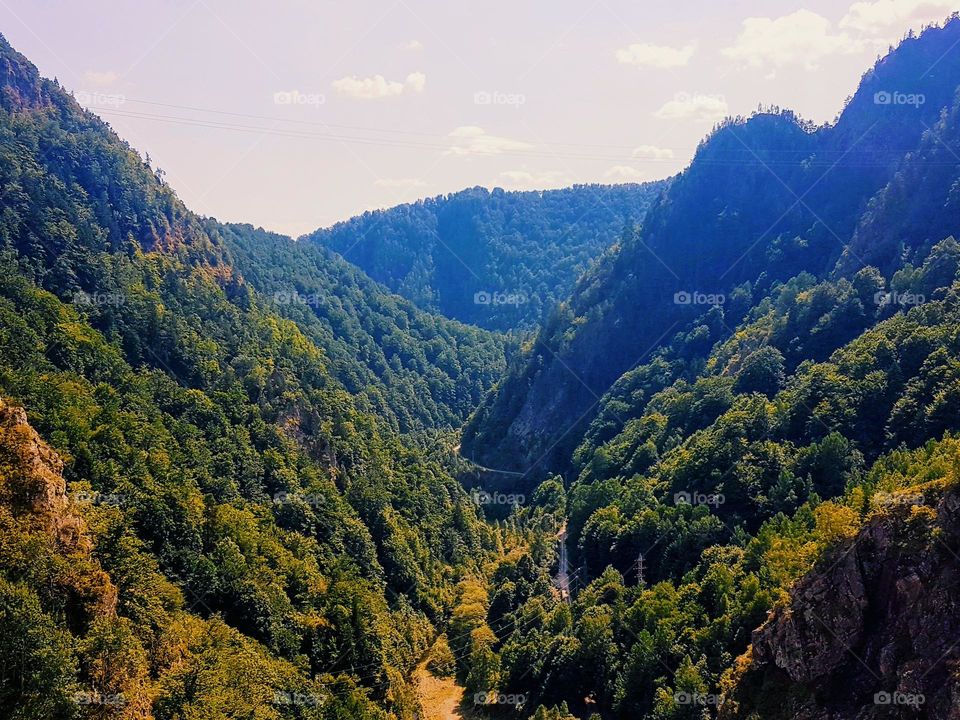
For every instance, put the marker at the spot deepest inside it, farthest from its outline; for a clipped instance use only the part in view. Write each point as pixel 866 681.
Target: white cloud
pixel 376 87
pixel 694 107
pixel 658 56
pixel 416 82
pixel 535 179
pixel 473 140
pixel 652 152
pixel 414 45
pixel 889 18
pixel 400 183
pixel 625 173
pixel 801 38
pixel 93 77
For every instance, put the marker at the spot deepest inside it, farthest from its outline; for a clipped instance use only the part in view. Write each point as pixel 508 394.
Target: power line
pixel 451 143
pixel 360 128
pixel 738 157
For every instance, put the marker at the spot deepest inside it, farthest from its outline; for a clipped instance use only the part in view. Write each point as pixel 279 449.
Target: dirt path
pixel 441 697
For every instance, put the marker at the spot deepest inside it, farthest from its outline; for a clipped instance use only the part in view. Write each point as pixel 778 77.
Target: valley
pixel 708 467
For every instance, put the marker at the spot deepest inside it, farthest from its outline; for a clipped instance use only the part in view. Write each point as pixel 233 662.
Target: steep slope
pixel 73 193
pixel 689 525
pixel 198 519
pixel 764 199
pixel 423 370
pixel 93 629
pixel 871 631
pixel 764 436
pixel 496 259
pixel 919 206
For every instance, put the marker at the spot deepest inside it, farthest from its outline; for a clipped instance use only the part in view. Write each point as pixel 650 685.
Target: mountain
pixel 207 509
pixel 760 514
pixel 496 259
pixel 765 198
pixel 230 483
pixel 708 509
pixel 414 369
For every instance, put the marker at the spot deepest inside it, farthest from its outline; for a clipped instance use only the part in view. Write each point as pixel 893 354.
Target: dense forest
pixel 761 484
pixel 417 370
pixel 497 259
pixel 207 509
pixel 765 198
pixel 231 479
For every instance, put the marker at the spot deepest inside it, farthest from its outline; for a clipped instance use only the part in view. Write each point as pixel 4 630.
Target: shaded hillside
pixel 729 485
pixel 495 259
pixel 760 437
pixel 764 199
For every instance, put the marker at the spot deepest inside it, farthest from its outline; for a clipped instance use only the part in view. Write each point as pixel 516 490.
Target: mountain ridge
pixel 460 253
pixel 759 224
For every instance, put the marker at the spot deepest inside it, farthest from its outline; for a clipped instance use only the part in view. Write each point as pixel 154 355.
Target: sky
pixel 295 114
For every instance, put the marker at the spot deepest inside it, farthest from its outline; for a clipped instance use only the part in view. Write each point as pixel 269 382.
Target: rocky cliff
pixel 41 527
pixel 872 632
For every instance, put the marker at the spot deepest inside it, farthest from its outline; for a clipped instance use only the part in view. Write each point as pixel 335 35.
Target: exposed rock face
pixel 22 86
pixel 34 503
pixel 35 483
pixel 872 632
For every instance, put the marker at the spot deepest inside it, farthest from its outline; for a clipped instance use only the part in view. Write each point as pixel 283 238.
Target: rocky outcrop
pixel 34 481
pixel 37 518
pixel 872 632
pixel 21 87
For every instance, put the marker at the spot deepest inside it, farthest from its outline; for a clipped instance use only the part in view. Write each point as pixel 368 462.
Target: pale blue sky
pixel 294 114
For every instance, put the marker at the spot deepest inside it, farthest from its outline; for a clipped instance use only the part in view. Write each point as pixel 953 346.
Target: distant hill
pixel 495 259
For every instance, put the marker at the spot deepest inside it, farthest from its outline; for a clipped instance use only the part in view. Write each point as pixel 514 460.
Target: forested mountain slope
pixel 424 370
pixel 198 519
pixel 495 259
pixel 691 523
pixel 208 508
pixel 764 199
pixel 98 197
pixel 761 516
